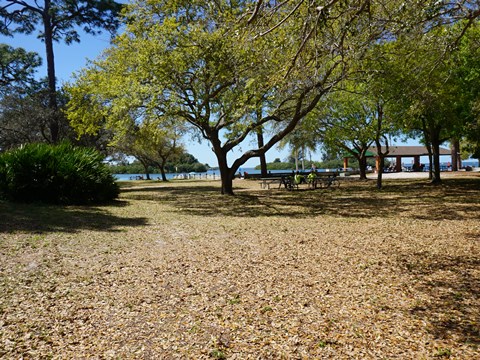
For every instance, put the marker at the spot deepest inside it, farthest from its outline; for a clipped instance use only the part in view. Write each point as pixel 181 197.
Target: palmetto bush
pixel 55 174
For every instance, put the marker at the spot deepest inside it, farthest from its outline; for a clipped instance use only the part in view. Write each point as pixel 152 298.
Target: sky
pixel 72 58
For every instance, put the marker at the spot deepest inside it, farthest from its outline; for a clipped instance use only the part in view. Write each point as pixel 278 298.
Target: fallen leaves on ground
pixel 178 271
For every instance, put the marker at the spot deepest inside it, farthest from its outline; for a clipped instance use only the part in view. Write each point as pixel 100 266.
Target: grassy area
pixel 177 270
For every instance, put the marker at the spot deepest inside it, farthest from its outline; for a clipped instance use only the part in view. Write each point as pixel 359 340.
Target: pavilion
pixel 400 152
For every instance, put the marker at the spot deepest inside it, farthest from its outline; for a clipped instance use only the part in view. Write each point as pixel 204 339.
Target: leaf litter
pixel 251 277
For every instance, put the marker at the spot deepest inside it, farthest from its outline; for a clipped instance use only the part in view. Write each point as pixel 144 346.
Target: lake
pixel 215 173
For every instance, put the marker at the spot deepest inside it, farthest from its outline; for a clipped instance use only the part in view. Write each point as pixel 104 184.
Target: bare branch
pixel 282 21
pixel 255 12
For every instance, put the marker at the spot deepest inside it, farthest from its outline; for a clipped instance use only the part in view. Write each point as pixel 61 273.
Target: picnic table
pixel 325 181
pixel 266 182
pixel 322 180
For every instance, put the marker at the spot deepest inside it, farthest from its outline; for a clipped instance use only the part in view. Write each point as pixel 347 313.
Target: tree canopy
pixel 213 65
pixel 56 20
pixel 17 67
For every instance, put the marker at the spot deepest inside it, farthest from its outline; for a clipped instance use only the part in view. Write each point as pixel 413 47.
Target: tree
pixel 347 126
pixel 467 72
pixel 17 68
pixel 185 163
pixel 300 140
pixel 213 64
pixel 203 62
pixel 152 144
pixel 56 20
pixel 24 115
pixel 22 118
pixel 429 91
pixel 361 112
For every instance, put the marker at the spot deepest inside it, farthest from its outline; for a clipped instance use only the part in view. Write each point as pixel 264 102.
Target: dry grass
pixel 178 271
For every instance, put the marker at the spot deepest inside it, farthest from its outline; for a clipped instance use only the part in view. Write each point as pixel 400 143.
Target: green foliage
pixel 328 164
pixel 217 354
pixel 25 118
pixel 186 168
pixel 206 67
pixel 18 67
pixel 134 168
pixel 335 164
pixel 467 72
pixel 55 174
pixel 278 166
pixel 235 300
pixel 57 20
pixel 63 20
pixel 212 67
pixel 183 163
pixel 443 352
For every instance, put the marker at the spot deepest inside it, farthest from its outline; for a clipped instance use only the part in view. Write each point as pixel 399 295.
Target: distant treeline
pixel 331 164
pixel 185 163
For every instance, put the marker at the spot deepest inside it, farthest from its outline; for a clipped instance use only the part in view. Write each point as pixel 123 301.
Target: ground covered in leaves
pixel 176 270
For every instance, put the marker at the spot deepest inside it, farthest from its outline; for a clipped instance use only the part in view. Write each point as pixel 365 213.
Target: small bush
pixel 55 174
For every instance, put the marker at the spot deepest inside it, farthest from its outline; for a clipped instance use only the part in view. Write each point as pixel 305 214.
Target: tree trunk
pixel 455 154
pixel 430 163
pixel 435 142
pixel 227 180
pixel 362 163
pixel 226 174
pixel 163 173
pixel 52 88
pixel 428 145
pixel 162 167
pixel 263 161
pixel 378 143
pixel 436 162
pixel 145 167
pixel 296 159
pixel 380 171
pixel 303 159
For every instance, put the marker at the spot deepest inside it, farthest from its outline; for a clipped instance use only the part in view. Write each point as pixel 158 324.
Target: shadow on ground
pixel 452 285
pixel 40 218
pixel 417 199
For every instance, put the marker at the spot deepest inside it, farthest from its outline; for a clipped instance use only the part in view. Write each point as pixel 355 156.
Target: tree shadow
pixel 40 218
pixel 419 200
pixel 452 285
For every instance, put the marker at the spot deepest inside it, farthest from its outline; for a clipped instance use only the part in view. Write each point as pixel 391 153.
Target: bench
pixel 266 182
pixel 321 181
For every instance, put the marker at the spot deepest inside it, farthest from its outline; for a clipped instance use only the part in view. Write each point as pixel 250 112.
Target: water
pixel 210 174
pixel 215 174
pixel 445 166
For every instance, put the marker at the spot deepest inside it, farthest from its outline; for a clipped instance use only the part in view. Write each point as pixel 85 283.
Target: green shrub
pixel 55 174
pixel 278 166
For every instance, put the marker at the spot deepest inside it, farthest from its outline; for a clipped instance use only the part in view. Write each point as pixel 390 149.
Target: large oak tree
pixel 208 64
pixel 213 64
